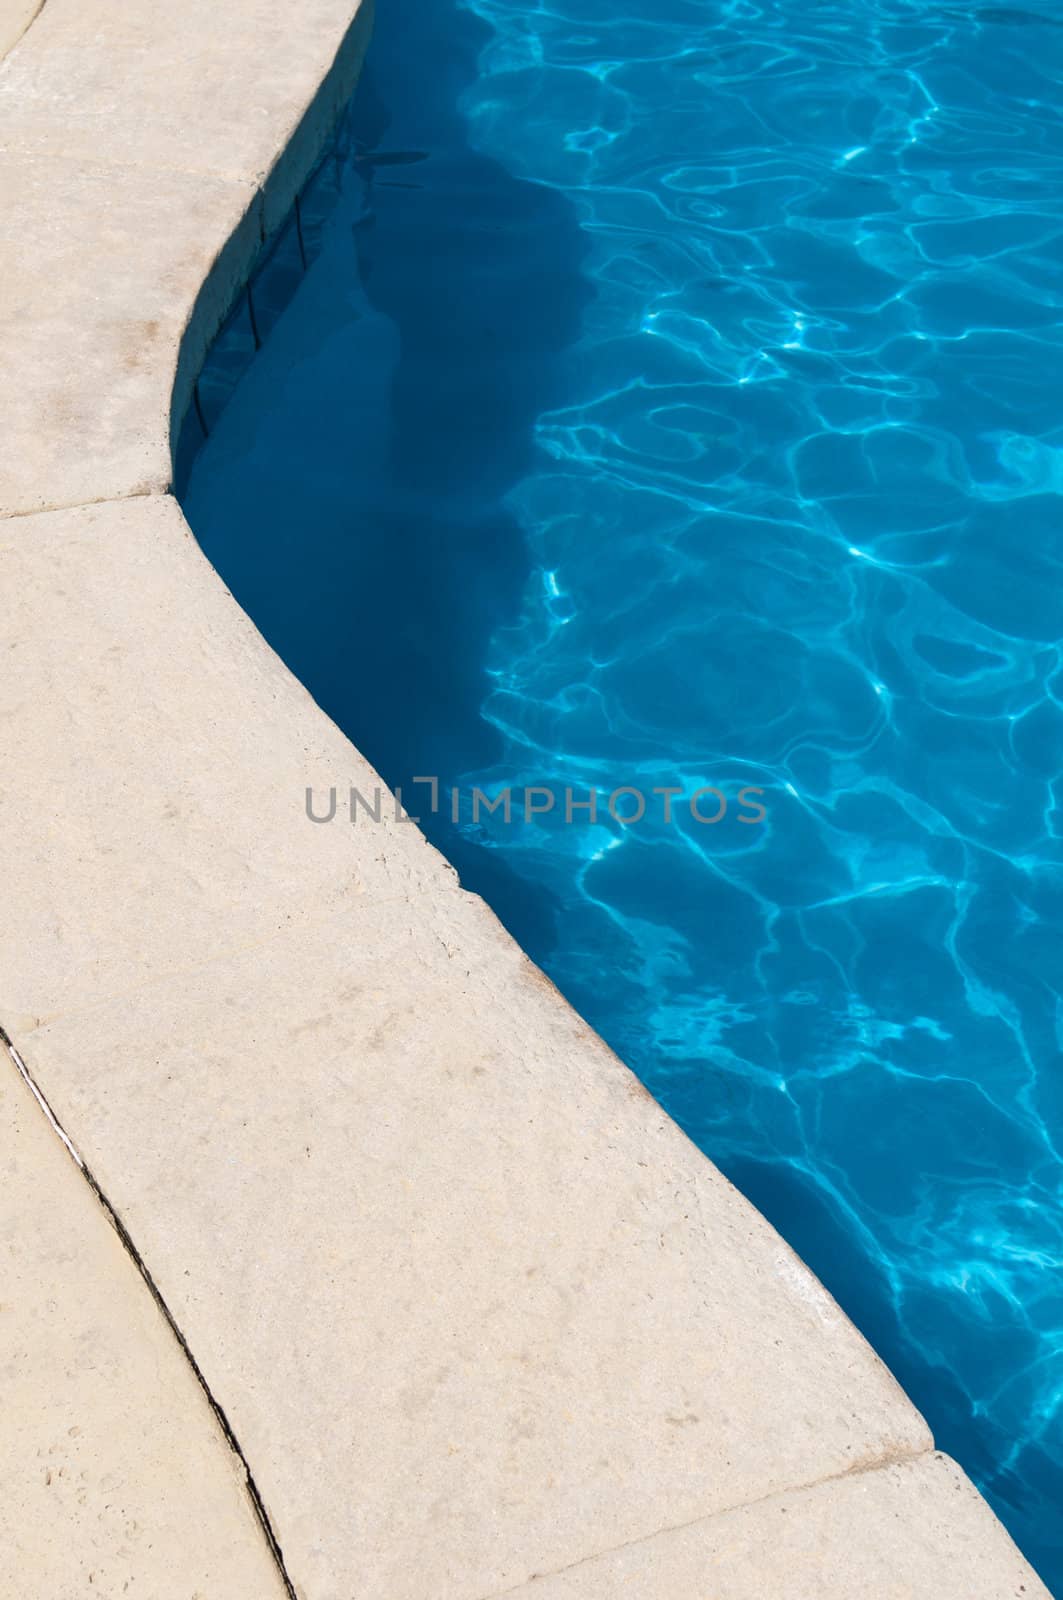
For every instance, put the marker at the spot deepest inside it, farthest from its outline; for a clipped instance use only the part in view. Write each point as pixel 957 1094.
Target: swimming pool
pixel 672 402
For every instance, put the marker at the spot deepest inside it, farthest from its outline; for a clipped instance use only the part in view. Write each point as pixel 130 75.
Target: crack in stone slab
pixel 123 1234
pixel 890 1458
pixel 17 40
pixel 77 505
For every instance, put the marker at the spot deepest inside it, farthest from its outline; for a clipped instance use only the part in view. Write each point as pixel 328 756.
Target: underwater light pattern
pixel 673 403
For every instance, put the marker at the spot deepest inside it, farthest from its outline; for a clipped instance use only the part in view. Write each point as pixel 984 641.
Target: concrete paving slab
pixel 426 1236
pixel 15 18
pixel 227 102
pixel 116 1479
pixel 918 1528
pixel 152 799
pixel 473 1304
pixel 97 279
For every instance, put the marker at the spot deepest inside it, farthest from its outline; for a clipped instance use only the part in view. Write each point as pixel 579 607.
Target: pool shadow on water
pixel 352 493
pixel 354 496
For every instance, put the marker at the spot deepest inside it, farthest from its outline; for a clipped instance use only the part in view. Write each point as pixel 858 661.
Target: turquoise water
pixel 672 398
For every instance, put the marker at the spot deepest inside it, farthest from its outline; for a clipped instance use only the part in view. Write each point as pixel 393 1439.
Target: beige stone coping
pixel 145 148
pixel 475 1310
pixel 15 18
pixel 905 1532
pixel 109 1454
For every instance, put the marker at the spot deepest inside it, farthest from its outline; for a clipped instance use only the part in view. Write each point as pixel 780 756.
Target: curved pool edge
pixel 378 1168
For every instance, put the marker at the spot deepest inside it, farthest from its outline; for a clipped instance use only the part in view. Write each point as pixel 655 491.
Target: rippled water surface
pixel 674 399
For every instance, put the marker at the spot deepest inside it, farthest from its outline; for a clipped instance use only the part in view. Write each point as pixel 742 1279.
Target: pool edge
pixel 200 265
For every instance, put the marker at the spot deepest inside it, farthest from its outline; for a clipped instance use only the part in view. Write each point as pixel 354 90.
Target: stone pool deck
pixel 376 1275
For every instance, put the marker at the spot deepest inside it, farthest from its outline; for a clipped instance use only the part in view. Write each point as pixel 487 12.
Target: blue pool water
pixel 673 398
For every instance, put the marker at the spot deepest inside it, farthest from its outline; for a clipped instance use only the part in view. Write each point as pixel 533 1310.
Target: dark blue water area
pixel 673 399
